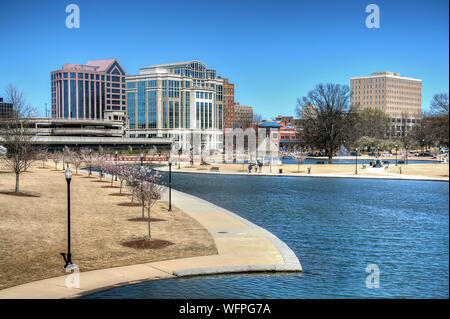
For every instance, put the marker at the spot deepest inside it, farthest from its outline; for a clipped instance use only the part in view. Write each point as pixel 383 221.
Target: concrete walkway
pixel 242 247
pixel 361 174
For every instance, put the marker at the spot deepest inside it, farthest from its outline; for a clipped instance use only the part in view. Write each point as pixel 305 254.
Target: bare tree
pixel 439 104
pixel 56 158
pixel 257 118
pixel 333 121
pixel 16 136
pixel 43 155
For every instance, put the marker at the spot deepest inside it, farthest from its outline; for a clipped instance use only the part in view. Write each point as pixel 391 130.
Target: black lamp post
pixel 406 155
pixel 423 145
pixel 142 155
pixel 356 165
pixel 396 151
pixel 378 152
pixel 90 162
pixel 170 183
pixel 68 257
pixel 116 164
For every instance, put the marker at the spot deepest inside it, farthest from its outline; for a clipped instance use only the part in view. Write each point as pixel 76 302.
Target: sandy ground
pixel 427 170
pixel 33 230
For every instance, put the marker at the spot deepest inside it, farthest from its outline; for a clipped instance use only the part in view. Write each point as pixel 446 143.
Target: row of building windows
pixel 87 76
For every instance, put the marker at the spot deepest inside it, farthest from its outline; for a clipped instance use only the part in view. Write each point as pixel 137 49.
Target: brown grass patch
pixel 33 230
pixel 147 243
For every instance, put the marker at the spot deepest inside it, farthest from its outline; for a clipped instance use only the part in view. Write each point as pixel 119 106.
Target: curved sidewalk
pixel 242 247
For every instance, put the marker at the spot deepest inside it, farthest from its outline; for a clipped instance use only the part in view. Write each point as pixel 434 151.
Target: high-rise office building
pixel 86 91
pixel 399 97
pixel 228 103
pixel 176 100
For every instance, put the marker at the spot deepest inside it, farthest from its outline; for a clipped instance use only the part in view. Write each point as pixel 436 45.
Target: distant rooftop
pixel 269 124
pixel 96 65
pixel 173 64
pixel 385 74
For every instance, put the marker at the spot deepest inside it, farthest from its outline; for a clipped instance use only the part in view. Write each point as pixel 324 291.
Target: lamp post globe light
pixel 170 161
pixel 68 257
pixel 356 163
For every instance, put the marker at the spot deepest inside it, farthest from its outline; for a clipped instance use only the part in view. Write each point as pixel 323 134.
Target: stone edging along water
pixel 291 262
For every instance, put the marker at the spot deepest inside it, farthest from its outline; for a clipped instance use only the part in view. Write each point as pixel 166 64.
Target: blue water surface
pixel 336 227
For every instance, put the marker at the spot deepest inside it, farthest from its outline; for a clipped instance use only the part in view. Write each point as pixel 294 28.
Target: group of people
pixel 376 163
pixel 257 165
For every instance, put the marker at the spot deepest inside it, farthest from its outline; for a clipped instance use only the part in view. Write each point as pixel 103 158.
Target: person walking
pixel 249 168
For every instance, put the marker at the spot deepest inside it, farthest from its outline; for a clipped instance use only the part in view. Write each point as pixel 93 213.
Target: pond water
pixel 336 227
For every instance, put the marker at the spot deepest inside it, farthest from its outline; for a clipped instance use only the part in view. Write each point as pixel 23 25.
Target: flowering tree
pixel 86 157
pixel 148 192
pixel 122 173
pixel 111 166
pixel 100 163
pixel 68 156
pixel 76 161
pixel 133 175
pixel 61 159
pixel 56 159
pixel 299 157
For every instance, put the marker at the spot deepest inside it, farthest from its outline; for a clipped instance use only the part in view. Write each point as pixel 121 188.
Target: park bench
pixel 214 169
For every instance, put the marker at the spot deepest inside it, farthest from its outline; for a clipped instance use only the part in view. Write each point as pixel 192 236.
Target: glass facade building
pixel 87 91
pixel 176 100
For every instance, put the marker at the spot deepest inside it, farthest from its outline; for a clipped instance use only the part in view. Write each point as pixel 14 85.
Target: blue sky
pixel 274 51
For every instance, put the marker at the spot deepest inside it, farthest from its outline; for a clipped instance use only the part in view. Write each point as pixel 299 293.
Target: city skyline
pixel 258 46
